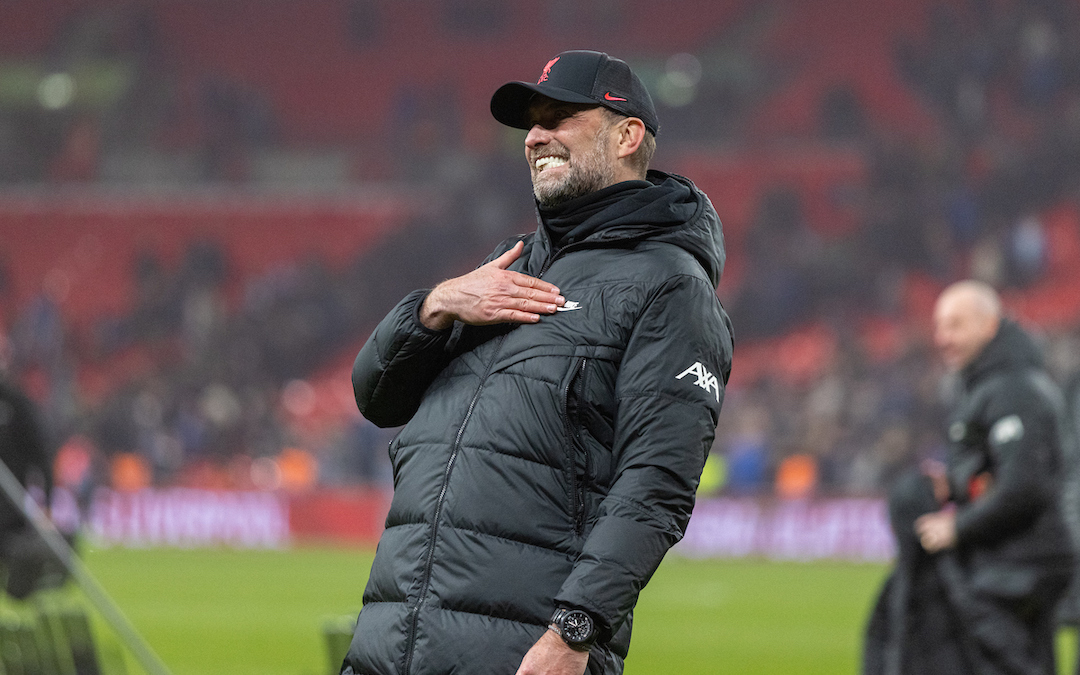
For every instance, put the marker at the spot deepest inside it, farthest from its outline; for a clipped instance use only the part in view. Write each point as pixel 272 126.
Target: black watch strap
pixel 576 627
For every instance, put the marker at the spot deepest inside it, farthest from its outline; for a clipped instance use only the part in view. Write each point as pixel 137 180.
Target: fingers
pixel 491 294
pixel 935 531
pixel 524 280
pixel 931 542
pixel 480 300
pixel 525 310
pixel 921 525
pixel 506 259
pixel 533 290
pixel 925 532
pixel 517 297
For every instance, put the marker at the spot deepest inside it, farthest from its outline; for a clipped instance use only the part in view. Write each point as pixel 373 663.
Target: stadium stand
pixel 860 157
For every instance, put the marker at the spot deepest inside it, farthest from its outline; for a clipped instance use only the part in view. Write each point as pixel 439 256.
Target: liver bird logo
pixel 547 70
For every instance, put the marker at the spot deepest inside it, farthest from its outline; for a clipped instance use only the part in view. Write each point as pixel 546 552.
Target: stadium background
pixel 205 207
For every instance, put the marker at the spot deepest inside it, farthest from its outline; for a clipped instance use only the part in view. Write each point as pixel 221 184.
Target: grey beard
pixel 578 184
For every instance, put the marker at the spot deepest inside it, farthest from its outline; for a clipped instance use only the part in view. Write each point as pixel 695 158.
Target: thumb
pixel 506 259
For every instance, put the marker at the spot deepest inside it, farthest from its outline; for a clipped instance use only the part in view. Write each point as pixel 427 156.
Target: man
pixel 983 552
pixel 559 402
pixel 25 561
pixel 1069 608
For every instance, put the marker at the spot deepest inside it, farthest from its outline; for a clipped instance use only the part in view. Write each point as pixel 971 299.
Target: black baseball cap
pixel 579 76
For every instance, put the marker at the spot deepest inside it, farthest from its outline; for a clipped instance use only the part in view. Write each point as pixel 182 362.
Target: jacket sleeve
pixel 669 391
pixel 402 357
pixel 1022 438
pixel 397 364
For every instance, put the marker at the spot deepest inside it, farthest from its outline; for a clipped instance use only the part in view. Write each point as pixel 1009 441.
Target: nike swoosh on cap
pixel 609 97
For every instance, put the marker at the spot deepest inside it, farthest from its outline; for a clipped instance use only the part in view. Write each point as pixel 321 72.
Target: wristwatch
pixel 576 627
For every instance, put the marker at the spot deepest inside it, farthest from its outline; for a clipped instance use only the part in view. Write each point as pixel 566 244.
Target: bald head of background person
pixel 967 316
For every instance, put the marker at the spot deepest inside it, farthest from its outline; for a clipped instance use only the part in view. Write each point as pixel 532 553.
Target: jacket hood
pixel 671 209
pixel 1010 349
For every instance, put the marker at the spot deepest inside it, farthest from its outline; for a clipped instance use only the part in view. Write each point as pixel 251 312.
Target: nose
pixel 537 135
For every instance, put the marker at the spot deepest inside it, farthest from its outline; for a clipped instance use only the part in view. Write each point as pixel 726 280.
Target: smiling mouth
pixel 549 162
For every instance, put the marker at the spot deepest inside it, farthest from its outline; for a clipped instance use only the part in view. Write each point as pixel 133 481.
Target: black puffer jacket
pixel 1009 436
pixel 546 463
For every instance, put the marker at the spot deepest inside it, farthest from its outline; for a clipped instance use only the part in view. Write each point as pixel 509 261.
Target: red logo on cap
pixel 609 97
pixel 547 70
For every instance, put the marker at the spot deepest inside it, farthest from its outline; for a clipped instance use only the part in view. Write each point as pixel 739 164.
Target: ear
pixel 630 132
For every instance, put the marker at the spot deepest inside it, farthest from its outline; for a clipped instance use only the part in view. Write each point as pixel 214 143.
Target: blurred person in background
pixel 559 401
pixel 984 555
pixel 26 561
pixel 1069 610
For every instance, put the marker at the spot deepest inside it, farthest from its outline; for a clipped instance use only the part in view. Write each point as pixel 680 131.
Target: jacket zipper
pixel 577 487
pixel 558 254
pixel 430 557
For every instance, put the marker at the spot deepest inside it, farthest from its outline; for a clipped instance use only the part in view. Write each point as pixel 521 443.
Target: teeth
pixel 547 162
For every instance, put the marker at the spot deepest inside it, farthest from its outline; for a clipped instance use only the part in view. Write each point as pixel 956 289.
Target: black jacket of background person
pixel 1070 606
pixel 988 606
pixel 1010 426
pixel 549 463
pixel 23 449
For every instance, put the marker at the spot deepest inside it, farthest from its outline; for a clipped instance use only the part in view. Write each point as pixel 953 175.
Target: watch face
pixel 577 626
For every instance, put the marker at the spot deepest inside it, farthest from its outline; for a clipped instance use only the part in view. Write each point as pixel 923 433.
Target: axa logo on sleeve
pixel 705 379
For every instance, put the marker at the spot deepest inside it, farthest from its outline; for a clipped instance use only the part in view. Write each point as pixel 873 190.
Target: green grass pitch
pixel 218 612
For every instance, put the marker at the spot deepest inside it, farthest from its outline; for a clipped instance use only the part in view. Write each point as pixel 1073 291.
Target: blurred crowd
pixel 228 381
pixel 854 428
pixel 969 201
pixel 224 383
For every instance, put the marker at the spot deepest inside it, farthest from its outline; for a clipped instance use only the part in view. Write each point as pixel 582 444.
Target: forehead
pixel 542 108
pixel 961 311
pixel 950 309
